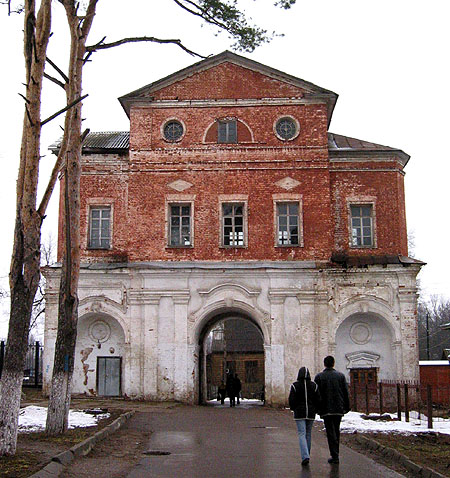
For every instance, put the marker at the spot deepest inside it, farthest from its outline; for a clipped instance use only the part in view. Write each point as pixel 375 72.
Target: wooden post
pixel 2 355
pixel 380 391
pixel 367 398
pixel 399 403
pixel 419 400
pixel 406 404
pixel 36 364
pixel 429 407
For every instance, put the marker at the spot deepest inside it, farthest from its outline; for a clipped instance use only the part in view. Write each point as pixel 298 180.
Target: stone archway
pixel 365 340
pixel 243 355
pixel 100 346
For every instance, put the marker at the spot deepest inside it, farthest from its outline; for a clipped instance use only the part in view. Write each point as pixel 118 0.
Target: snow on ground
pixel 33 418
pixel 353 421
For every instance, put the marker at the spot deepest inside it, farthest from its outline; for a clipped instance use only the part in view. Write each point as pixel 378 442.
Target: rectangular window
pixel 180 225
pixel 362 225
pixel 227 131
pixel 288 223
pixel 233 224
pixel 100 227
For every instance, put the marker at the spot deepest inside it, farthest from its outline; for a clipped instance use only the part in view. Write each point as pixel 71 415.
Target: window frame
pixel 362 202
pixel 163 126
pixel 179 200
pixel 233 200
pixel 227 121
pixel 297 127
pixel 286 199
pixel 99 206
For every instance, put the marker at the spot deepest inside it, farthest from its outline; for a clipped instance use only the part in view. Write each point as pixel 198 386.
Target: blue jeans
pixel 304 428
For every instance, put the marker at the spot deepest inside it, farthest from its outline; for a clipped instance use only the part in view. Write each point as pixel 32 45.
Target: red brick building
pixel 230 197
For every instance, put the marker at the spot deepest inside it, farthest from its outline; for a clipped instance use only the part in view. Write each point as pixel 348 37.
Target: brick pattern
pixel 137 186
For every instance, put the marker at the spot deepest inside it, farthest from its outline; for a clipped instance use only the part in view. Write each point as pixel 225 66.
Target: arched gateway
pixel 229 198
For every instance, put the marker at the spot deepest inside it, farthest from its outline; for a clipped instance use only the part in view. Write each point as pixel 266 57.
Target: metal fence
pixel 32 373
pixel 430 402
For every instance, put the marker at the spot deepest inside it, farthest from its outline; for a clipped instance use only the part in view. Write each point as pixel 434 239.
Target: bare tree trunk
pixel 25 262
pixel 59 402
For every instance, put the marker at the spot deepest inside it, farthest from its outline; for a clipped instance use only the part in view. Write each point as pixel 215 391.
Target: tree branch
pixel 64 76
pixel 64 109
pixel 51 78
pixel 104 46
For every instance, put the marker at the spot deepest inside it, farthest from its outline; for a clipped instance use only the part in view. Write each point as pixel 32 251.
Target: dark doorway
pixel 235 345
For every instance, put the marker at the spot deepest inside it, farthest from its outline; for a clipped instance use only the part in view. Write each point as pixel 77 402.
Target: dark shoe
pixel 305 462
pixel 333 461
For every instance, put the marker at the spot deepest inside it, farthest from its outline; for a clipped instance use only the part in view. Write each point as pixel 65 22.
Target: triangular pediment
pixel 227 76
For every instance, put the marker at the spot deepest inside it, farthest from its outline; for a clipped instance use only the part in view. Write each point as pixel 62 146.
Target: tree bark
pixel 59 402
pixel 25 262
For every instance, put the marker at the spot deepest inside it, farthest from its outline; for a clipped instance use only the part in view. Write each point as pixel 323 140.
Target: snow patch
pixel 33 418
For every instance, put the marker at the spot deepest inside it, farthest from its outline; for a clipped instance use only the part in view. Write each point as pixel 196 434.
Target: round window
pixel 286 128
pixel 173 130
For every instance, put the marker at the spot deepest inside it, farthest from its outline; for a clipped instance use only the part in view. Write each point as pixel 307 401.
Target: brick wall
pixel 138 186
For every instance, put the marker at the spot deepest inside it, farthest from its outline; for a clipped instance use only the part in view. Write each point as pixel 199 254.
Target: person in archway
pixel 230 389
pixel 221 392
pixel 304 401
pixel 334 404
pixel 237 387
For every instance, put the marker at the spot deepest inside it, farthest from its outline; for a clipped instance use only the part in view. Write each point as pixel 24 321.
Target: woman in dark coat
pixel 304 401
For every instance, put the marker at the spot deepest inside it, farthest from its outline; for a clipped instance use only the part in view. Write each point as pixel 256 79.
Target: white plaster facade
pixel 155 316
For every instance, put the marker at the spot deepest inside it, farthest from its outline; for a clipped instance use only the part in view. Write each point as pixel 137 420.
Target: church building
pixel 229 201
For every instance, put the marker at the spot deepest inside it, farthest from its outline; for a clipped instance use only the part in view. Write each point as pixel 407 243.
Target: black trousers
pixel 332 425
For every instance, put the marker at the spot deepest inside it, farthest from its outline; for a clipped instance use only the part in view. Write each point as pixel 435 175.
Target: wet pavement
pixel 247 441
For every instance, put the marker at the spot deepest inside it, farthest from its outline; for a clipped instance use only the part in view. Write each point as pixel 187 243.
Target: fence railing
pixel 32 373
pixel 429 401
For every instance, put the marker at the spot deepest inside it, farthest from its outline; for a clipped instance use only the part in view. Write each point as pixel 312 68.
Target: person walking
pixel 334 404
pixel 304 401
pixel 231 389
pixel 221 392
pixel 237 387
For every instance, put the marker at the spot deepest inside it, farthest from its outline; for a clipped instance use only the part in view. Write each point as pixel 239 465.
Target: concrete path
pixel 245 442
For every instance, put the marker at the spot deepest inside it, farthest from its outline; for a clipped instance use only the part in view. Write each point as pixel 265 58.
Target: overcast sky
pixel 386 59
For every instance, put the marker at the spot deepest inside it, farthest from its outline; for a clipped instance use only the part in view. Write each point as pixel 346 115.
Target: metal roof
pixel 107 140
pixel 341 145
pixel 101 142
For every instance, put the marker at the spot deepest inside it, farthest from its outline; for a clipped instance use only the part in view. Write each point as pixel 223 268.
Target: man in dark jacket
pixel 334 405
pixel 304 401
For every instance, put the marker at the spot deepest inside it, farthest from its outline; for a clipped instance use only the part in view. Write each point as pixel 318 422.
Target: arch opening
pixel 365 348
pixel 99 354
pixel 231 343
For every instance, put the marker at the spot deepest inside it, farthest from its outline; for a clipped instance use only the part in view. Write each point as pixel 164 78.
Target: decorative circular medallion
pixel 173 131
pixel 287 128
pixel 99 331
pixel 360 333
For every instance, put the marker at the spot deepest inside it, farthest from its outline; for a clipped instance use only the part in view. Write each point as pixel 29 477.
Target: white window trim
pixel 233 199
pixel 93 203
pixel 282 198
pixel 178 199
pixel 167 120
pixel 297 125
pixel 362 201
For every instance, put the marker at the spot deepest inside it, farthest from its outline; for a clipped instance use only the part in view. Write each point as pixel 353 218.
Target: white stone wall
pixel 156 315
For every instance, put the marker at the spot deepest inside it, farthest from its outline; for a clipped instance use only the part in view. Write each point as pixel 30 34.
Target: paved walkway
pixel 245 441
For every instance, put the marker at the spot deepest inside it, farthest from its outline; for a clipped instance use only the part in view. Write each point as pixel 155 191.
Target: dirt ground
pixel 431 450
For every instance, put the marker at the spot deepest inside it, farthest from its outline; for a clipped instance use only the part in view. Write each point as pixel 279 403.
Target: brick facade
pixel 326 175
